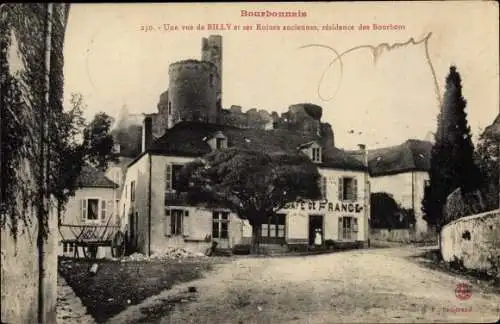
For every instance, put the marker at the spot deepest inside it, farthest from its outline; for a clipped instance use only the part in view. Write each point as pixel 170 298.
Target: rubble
pixel 168 254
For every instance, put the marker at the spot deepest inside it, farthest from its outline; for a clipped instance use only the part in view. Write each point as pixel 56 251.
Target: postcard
pixel 260 162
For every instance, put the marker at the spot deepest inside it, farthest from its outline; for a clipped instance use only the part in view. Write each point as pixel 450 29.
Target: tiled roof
pixel 412 155
pixel 187 139
pixel 90 177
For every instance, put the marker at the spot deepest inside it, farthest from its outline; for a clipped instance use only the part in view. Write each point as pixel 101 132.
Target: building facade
pixel 90 212
pixel 190 123
pixel 402 172
pixel 155 215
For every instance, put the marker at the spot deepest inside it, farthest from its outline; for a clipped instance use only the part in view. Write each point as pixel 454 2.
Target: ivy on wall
pixel 22 104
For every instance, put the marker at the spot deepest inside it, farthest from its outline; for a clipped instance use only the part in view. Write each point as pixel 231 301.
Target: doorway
pixel 133 223
pixel 315 223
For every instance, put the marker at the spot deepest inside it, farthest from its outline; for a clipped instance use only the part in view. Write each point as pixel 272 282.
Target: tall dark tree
pixel 452 157
pixel 251 183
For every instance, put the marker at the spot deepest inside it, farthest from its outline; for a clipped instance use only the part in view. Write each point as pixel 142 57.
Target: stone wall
pixel 473 241
pixel 395 235
pixel 22 36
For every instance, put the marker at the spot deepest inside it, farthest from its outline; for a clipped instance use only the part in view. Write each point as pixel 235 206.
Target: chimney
pixel 147 133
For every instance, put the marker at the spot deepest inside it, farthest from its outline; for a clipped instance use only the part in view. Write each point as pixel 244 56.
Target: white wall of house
pixel 134 201
pixel 78 212
pixel 408 190
pixel 333 210
pixel 115 174
pixel 196 224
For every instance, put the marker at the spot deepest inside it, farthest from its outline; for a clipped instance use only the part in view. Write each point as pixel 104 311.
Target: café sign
pixel 325 206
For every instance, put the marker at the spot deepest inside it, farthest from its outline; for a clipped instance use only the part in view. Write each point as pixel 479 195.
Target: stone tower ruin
pixel 195 88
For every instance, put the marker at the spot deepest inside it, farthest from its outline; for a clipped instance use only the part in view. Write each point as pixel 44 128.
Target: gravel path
pixel 362 286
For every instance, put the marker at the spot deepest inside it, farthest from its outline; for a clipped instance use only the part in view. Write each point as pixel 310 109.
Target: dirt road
pixel 369 286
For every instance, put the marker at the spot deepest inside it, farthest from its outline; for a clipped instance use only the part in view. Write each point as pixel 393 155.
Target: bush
pixel 242 249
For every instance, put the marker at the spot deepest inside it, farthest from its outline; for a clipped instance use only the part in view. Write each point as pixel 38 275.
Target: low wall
pixel 401 235
pixel 394 235
pixel 475 240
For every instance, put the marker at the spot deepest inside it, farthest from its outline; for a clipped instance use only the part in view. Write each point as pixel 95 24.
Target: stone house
pixel 402 171
pixel 93 204
pixel 156 216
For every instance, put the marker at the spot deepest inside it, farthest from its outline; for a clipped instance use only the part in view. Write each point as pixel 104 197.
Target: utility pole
pixel 366 222
pixel 43 211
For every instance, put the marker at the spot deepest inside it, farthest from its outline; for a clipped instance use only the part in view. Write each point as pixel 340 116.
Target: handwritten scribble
pixel 377 52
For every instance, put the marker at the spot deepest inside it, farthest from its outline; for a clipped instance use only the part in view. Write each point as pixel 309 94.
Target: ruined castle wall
pixel 192 93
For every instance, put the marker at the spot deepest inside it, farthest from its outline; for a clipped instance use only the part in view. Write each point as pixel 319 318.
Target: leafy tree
pixel 452 163
pixel 78 143
pixel 386 213
pixel 488 160
pixel 98 141
pixel 251 183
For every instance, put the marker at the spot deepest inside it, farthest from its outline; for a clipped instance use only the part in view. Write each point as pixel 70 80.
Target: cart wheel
pixel 118 245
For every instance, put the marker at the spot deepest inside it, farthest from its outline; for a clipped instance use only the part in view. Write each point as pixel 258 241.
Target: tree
pixel 251 183
pixel 488 160
pixel 387 213
pixel 452 162
pixel 75 144
pixel 98 141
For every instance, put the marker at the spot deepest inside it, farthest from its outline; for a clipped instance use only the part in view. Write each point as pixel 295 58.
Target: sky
pixel 113 62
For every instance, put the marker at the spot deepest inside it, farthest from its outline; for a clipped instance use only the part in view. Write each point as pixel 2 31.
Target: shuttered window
pixel 91 210
pixel 168 177
pixel 348 188
pixel 132 191
pixel 103 209
pixel 185 223
pixel 323 186
pixel 83 209
pixel 167 222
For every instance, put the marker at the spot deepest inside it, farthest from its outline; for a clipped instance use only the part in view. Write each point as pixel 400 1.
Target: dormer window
pixel 313 150
pixel 217 141
pixel 316 154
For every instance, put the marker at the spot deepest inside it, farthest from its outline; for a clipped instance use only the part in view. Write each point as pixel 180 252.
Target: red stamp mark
pixel 463 291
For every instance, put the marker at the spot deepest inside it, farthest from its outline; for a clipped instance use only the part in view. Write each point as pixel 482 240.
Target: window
pixel 65 247
pixel 212 80
pixel 169 108
pixel 348 188
pixel 219 143
pixel 118 178
pixel 316 154
pixel 132 191
pixel 220 225
pixel 92 208
pixel 103 209
pixel 348 228
pixel 172 176
pixel 175 220
pixel 275 227
pixel 323 186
